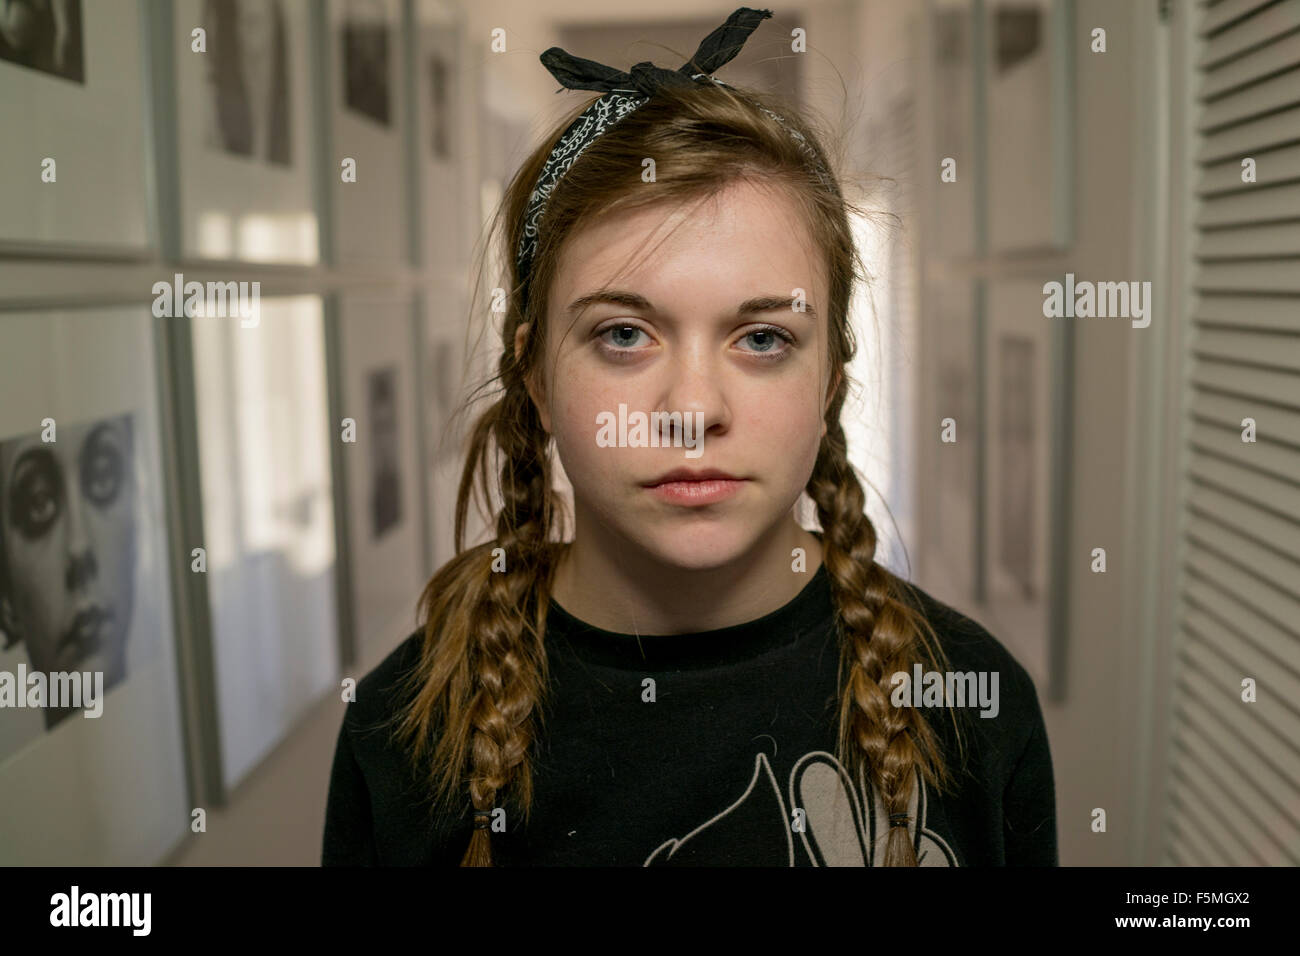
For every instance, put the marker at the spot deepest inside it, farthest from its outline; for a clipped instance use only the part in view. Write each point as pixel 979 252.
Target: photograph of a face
pixel 248 79
pixel 44 35
pixel 68 548
pixel 366 49
pixel 385 480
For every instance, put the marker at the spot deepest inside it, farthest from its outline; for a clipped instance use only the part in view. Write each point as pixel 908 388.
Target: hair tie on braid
pixel 482 819
pixel 898 820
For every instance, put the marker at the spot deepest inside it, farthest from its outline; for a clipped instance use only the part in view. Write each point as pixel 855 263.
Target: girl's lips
pixel 705 492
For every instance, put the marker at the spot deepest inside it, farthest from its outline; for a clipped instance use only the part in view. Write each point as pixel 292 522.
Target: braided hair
pixel 477 693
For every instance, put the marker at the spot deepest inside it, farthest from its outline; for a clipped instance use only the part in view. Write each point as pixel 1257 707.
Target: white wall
pixel 1093 730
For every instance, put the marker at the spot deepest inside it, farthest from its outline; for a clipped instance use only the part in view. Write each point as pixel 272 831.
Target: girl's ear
pixel 530 382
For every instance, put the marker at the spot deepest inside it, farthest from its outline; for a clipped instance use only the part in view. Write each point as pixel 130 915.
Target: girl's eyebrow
pixel 754 306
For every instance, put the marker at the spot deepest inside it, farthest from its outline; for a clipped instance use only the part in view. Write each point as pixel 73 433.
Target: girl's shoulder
pixel 968 644
pixel 385 689
pixel 988 684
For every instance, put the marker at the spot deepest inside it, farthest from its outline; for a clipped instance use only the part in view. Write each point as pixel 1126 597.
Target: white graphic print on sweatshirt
pixel 837 830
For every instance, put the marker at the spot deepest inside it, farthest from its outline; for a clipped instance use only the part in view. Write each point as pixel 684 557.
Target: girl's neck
pixel 597 585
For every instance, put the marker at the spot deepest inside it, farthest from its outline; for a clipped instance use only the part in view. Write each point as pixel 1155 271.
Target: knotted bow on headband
pixel 717 49
pixel 624 93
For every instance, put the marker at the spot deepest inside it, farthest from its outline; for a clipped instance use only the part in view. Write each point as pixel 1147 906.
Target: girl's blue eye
pixel 774 334
pixel 622 328
pixel 625 335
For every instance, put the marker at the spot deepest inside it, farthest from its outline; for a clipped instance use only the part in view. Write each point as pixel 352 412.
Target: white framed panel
pixel 1028 66
pixel 445 381
pixel 385 516
pixel 368 109
pixel 85 586
pixel 245 130
pixel 441 86
pixel 268 521
pixel 73 118
pixel 952 33
pixel 954 379
pixel 1026 461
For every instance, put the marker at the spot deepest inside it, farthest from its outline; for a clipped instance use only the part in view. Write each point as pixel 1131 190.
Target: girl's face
pixel 702 324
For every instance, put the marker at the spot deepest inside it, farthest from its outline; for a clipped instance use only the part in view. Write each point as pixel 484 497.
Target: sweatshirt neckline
pixel 803 615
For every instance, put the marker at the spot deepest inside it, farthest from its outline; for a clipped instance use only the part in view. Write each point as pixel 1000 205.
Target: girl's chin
pixel 699 548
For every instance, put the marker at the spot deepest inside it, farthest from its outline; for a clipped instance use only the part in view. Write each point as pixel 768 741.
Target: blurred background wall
pixel 1088 488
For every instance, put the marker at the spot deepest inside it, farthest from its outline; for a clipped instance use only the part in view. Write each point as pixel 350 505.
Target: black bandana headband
pixel 625 92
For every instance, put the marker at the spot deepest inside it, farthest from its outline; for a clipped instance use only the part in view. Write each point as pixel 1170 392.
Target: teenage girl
pixel 691 677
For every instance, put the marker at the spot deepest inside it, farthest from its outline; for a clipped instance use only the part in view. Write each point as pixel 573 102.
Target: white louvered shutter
pixel 1234 785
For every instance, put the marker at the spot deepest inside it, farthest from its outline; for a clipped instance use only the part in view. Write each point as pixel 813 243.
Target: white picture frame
pixel 1026 453
pixel 368 103
pixel 953 75
pixel 441 86
pixel 111 790
pixel 1029 125
pixel 446 377
pixel 953 373
pixel 383 470
pixel 66 138
pixel 268 521
pixel 246 147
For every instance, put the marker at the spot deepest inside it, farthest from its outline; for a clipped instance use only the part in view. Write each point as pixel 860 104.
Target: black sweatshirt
pixel 731 763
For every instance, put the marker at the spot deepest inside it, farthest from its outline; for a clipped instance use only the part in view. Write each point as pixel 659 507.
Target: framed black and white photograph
pixel 44 35
pixel 439 146
pixel 369 131
pixel 246 154
pixel 264 439
pixel 92 762
pixel 248 84
pixel 385 474
pixel 952 97
pixel 368 47
pixel 1028 68
pixel 72 111
pixel 438 76
pixel 451 367
pixel 443 372
pixel 384 493
pixel 951 476
pixel 67 547
pixel 1027 396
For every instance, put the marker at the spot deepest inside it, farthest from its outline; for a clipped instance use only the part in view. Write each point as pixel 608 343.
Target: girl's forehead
pixel 730 242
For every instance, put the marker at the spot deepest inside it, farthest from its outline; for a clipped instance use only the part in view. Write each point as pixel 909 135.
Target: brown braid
pixel 489 697
pixel 892 743
pixel 510 664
